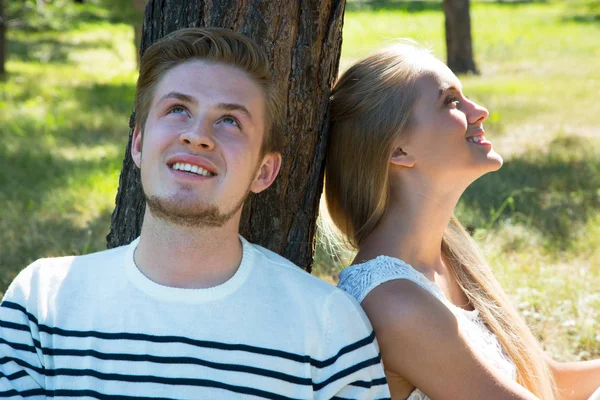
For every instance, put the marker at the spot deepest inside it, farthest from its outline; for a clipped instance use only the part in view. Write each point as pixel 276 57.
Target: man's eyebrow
pixel 235 107
pixel 179 96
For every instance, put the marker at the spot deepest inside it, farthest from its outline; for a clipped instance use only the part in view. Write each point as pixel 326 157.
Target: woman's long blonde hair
pixel 370 110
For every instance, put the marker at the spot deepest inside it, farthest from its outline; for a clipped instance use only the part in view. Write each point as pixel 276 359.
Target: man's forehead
pixel 208 79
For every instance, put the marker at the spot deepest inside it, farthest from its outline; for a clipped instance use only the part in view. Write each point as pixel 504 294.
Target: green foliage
pixel 64 15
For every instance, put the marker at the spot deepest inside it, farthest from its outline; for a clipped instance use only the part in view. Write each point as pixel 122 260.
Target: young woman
pixel 405 144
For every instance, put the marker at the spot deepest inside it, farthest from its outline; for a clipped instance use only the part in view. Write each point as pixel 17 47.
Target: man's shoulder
pixel 52 271
pixel 282 267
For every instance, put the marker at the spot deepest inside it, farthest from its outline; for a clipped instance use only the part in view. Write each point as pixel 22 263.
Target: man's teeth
pixel 476 139
pixel 192 168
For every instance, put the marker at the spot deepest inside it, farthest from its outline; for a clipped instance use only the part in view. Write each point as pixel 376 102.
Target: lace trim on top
pixel 358 280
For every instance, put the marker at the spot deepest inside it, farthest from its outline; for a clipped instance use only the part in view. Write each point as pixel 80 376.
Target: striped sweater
pixel 95 327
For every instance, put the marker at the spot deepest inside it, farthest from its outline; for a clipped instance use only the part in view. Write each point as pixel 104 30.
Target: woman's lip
pixel 480 133
pixel 482 143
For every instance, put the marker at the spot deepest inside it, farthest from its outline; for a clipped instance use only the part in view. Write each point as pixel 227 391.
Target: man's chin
pixel 190 215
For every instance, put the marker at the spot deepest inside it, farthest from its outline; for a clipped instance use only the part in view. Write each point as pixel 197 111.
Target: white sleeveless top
pixel 360 279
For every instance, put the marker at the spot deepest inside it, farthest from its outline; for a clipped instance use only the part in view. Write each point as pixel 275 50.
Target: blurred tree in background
pixel 457 27
pixel 459 45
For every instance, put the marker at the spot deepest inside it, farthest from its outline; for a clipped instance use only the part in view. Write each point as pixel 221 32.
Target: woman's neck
pixel 412 228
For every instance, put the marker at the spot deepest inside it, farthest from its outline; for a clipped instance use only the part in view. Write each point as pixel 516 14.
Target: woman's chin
pixel 495 160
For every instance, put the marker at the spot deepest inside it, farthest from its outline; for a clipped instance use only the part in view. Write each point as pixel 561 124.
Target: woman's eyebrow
pixel 448 88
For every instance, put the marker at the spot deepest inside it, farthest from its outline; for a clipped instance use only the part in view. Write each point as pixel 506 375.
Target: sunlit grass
pixel 64 124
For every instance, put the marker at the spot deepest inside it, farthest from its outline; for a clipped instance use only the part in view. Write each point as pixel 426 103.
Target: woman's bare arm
pixel 576 380
pixel 421 342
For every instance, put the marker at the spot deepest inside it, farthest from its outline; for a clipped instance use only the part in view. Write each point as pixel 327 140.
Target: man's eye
pixel 177 110
pixel 230 120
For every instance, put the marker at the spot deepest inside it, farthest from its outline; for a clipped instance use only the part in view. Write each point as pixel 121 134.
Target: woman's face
pixel 446 136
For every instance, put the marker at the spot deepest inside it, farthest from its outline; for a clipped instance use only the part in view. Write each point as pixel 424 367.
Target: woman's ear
pixel 401 158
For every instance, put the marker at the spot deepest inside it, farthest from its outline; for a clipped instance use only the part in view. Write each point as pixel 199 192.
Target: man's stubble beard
pixel 208 216
pixel 200 217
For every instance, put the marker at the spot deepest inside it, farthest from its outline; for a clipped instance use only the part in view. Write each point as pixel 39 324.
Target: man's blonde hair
pixel 217 45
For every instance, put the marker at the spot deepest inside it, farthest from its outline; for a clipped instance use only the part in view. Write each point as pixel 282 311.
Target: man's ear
pixel 266 174
pixel 402 159
pixel 136 146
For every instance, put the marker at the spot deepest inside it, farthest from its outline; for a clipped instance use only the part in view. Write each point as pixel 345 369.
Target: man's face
pixel 200 153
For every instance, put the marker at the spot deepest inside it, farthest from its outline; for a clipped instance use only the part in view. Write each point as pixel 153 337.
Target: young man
pixel 190 309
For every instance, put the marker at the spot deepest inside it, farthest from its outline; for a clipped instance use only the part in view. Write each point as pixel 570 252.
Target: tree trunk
pixel 2 41
pixel 303 40
pixel 138 12
pixel 459 45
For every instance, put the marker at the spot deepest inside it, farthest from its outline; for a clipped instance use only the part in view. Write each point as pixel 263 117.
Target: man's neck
pixel 188 257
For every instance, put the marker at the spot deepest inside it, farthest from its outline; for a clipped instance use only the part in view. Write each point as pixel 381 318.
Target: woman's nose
pixel 478 113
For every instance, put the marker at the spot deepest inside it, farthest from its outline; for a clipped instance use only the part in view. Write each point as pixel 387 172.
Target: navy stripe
pixel 22 363
pixel 145 379
pixel 15 376
pixel 15 326
pixel 345 372
pixel 25 393
pixel 20 327
pixel 134 378
pixel 369 384
pixel 345 350
pixel 97 395
pixel 18 346
pixel 198 343
pixel 18 307
pixel 179 360
pixel 168 381
pixel 164 360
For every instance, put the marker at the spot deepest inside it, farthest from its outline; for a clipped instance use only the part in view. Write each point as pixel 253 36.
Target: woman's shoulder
pixel 360 279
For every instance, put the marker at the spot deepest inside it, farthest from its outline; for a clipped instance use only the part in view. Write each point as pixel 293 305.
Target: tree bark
pixel 459 46
pixel 2 41
pixel 138 11
pixel 303 40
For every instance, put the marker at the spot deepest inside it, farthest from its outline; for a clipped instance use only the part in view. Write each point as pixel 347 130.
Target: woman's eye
pixel 451 100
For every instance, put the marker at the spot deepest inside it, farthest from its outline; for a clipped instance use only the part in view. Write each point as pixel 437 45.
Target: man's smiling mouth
pixel 194 169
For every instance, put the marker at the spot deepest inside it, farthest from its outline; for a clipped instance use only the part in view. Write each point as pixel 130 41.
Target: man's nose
pixel 200 135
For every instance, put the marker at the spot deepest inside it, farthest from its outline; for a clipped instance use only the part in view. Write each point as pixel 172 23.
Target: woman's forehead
pixel 443 76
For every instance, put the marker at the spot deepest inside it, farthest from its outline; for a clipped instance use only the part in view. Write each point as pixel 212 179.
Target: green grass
pixel 64 124
pixel 65 106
